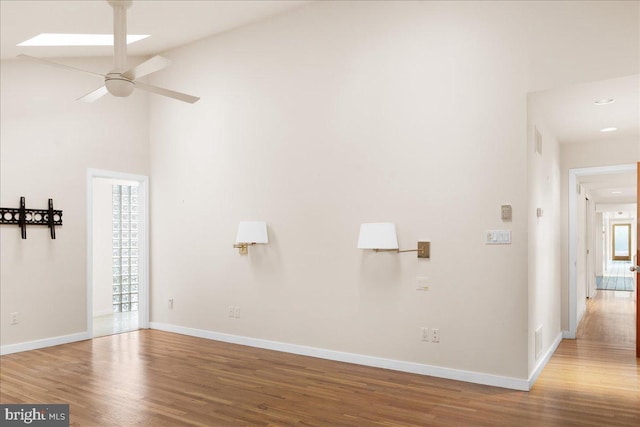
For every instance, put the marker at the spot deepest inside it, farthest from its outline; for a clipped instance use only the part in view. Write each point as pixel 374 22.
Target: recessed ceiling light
pixel 605 101
pixel 608 129
pixel 49 39
pixel 616 192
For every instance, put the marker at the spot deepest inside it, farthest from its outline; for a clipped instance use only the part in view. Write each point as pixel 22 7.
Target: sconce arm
pixel 423 250
pixel 243 245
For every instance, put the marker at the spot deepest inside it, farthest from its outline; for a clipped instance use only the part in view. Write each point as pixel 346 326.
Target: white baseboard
pixel 101 313
pixel 359 359
pixel 46 342
pixel 571 335
pixel 545 359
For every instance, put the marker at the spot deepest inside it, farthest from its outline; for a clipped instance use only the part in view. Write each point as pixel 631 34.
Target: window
pixel 125 221
pixel 621 242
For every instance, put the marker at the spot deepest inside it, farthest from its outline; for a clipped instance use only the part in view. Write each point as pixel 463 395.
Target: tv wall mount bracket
pixel 23 217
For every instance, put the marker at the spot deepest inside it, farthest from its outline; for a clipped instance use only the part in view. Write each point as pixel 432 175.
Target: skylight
pixel 51 39
pixel 605 101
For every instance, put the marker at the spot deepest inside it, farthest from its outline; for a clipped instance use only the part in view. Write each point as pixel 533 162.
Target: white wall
pixel 316 122
pixel 347 112
pixel 47 142
pixel 591 248
pixel 599 243
pixel 102 254
pixel 543 235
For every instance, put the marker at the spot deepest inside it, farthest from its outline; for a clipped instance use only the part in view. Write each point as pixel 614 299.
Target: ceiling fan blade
pixel 166 92
pixel 149 66
pixel 55 64
pixel 94 94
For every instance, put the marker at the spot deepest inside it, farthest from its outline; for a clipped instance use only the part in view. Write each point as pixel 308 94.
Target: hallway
pixel 617 277
pixel 597 375
pixel 609 319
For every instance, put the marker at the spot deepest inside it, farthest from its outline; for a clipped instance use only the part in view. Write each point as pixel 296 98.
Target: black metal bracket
pixel 23 217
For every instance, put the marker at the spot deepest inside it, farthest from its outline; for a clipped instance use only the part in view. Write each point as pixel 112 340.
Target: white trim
pixel 46 342
pixel 567 335
pixel 573 236
pixel 359 359
pixel 143 287
pixel 544 360
pixel 102 313
pixel 573 251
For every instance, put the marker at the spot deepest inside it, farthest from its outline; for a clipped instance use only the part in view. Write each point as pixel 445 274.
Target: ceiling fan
pixel 121 81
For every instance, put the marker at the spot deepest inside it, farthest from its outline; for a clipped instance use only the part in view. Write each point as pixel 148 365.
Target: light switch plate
pixel 506 212
pixel 498 237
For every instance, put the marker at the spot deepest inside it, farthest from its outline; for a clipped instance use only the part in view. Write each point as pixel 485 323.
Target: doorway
pixel 577 304
pixel 117 255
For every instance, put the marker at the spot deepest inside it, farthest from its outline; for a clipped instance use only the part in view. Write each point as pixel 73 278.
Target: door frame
pixel 573 235
pixel 143 287
pixel 588 243
pixel 637 261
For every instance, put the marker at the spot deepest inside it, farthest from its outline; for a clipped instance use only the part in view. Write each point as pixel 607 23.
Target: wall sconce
pixel 381 237
pixel 249 234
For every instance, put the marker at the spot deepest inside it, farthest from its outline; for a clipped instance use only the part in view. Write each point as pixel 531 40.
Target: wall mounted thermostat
pixel 505 212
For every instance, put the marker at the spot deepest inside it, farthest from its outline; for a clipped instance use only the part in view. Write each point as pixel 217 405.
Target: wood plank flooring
pixel 154 378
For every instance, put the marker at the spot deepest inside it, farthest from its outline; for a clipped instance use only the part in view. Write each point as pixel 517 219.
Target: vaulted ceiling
pixel 569 111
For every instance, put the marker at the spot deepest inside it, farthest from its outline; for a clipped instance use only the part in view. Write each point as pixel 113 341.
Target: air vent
pixel 538 142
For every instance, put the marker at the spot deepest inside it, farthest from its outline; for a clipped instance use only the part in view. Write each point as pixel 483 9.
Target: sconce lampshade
pixel 252 232
pixel 378 235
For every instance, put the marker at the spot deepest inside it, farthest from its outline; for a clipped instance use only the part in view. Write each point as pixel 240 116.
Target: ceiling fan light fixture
pixel 610 129
pixel 118 85
pixel 56 39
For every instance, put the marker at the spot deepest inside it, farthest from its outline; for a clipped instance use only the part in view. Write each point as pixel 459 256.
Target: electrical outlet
pixel 435 335
pixel 424 334
pixel 231 311
pixel 170 303
pixel 236 312
pixel 14 318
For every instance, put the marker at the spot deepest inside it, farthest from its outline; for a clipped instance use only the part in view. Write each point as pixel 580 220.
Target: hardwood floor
pixel 154 378
pixel 610 319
